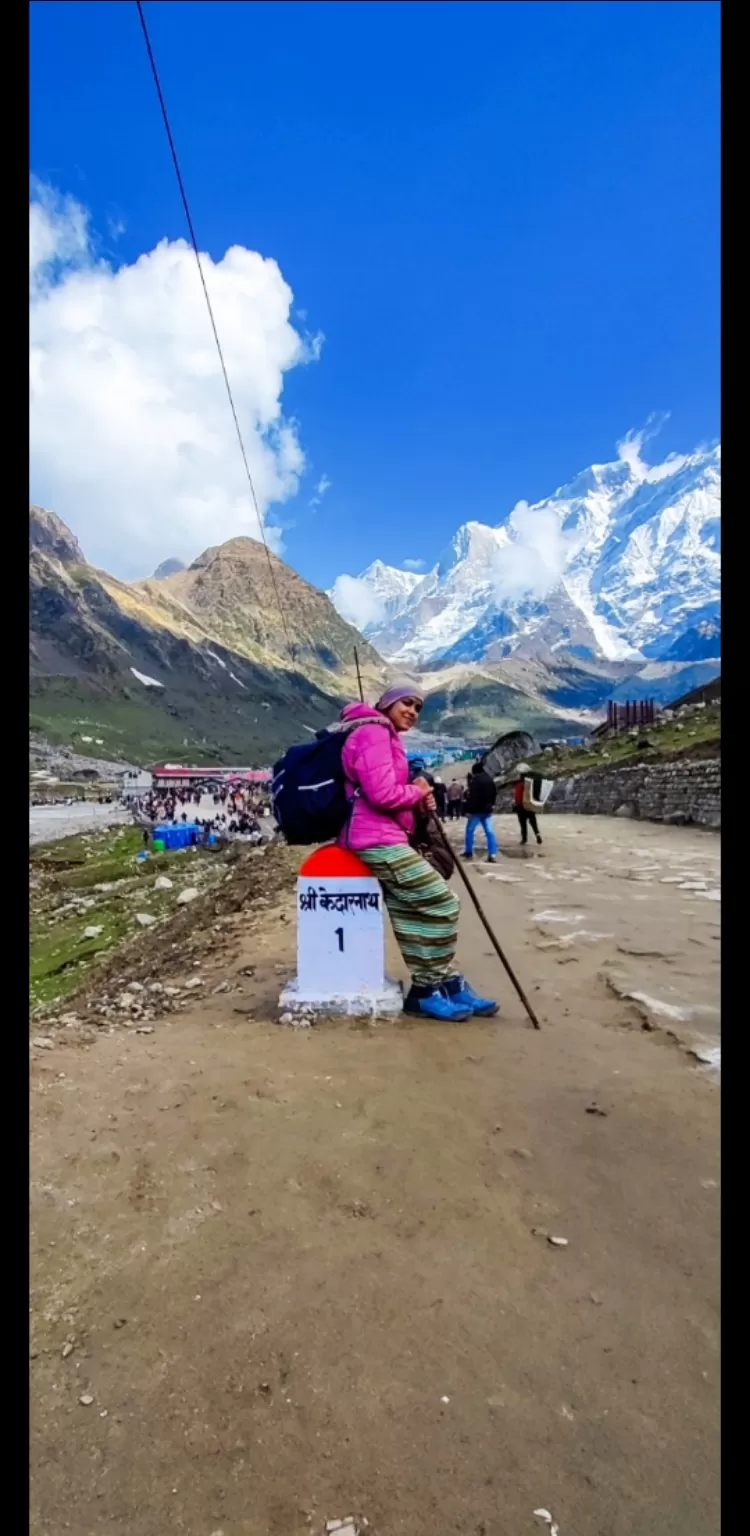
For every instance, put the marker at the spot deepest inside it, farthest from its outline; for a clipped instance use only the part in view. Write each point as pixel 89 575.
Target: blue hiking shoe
pixel 461 995
pixel 431 1003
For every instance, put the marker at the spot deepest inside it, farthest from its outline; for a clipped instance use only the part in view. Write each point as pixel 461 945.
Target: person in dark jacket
pixel 480 805
pixel 425 839
pixel 441 797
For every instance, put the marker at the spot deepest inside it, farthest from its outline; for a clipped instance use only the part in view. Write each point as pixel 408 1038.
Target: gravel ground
pixel 282 1276
pixel 48 823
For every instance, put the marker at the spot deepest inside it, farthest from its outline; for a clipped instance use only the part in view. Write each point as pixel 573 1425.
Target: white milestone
pixel 340 946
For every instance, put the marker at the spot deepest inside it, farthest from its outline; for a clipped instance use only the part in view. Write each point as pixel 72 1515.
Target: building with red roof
pixel 178 776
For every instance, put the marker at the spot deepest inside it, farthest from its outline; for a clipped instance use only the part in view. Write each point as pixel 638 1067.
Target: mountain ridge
pixel 200 662
pixel 200 659
pixel 620 564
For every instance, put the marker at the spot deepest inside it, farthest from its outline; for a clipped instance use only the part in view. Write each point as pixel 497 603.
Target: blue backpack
pixel 308 787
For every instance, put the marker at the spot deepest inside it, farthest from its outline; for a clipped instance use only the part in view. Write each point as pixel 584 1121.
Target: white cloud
pixel 356 601
pixel 413 565
pixel 629 448
pixel 58 234
pixel 532 562
pixel 132 440
pixel 116 226
pixel 323 485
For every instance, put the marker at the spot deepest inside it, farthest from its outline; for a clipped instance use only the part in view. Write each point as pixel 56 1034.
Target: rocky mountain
pixel 196 663
pixel 255 605
pixel 622 565
pixel 49 536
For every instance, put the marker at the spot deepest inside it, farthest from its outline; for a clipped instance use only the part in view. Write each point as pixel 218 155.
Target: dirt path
pixel 277 1253
pixel 49 823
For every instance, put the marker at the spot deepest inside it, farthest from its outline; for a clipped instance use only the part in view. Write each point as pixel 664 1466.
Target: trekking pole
pixel 359 677
pixel 485 924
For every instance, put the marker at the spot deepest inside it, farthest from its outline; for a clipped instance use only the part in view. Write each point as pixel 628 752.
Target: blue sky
pixel 502 217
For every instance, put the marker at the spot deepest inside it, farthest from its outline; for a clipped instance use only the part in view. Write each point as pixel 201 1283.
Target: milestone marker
pixel 340 940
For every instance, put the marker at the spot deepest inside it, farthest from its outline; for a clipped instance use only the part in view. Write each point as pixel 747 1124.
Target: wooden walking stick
pixel 495 945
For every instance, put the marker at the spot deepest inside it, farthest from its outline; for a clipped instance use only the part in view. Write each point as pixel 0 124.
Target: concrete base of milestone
pixel 387 1000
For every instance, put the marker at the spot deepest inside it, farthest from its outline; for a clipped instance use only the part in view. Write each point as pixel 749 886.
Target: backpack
pixel 426 842
pixel 308 787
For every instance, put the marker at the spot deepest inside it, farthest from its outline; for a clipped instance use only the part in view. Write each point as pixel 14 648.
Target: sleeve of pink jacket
pixel 368 761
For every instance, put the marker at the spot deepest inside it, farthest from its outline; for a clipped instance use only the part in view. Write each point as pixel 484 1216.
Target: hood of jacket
pixel 365 712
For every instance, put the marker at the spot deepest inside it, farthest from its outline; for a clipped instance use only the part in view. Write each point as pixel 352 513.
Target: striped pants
pixel 422 908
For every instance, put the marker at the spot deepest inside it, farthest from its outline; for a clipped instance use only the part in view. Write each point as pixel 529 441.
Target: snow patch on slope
pixel 148 682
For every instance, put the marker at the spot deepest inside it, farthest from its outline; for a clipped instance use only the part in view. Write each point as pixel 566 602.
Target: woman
pixel 422 909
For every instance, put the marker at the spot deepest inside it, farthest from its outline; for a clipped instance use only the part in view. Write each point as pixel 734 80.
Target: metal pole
pixel 359 675
pixel 485 924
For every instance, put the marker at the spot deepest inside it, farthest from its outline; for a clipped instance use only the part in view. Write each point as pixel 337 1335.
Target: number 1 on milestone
pixel 340 936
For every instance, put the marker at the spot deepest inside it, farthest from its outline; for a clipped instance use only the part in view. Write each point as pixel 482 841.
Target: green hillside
pixel 480 708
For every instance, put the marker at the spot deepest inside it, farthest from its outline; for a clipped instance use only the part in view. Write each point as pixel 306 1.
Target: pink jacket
pixel 375 765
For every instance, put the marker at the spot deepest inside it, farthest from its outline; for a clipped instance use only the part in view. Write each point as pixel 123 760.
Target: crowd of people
pixel 237 811
pixel 452 801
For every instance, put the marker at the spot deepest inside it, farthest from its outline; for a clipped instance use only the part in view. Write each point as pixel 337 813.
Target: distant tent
pixel 512 748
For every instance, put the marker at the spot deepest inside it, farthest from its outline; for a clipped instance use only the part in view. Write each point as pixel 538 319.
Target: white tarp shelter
pixel 136 782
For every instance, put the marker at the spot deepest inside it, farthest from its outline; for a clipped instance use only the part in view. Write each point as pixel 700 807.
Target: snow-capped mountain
pixel 390 586
pixel 623 564
pixel 371 601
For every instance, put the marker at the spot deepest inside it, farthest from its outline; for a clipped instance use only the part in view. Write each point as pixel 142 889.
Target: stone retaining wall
pixel 680 791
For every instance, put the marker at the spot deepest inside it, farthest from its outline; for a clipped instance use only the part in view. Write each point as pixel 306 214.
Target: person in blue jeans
pixel 481 801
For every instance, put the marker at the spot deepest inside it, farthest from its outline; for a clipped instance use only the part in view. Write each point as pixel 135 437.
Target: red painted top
pixel 335 862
